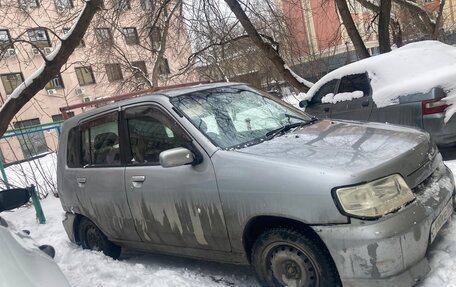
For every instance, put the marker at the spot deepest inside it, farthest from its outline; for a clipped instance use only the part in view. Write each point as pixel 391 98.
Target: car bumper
pixel 391 251
pixel 68 224
pixel 444 134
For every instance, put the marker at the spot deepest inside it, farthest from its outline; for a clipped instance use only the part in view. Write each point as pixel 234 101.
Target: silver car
pixel 225 172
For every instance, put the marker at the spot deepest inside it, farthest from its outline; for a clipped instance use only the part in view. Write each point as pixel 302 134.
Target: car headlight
pixel 375 198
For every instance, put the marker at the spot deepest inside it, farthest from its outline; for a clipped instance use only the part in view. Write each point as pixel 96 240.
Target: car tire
pixel 286 257
pixel 92 238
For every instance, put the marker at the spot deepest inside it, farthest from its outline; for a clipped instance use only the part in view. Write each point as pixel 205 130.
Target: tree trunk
pixel 266 48
pixel 353 33
pixel 52 67
pixel 383 26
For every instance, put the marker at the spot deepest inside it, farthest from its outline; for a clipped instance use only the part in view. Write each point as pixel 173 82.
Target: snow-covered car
pixel 225 172
pixel 23 263
pixel 414 85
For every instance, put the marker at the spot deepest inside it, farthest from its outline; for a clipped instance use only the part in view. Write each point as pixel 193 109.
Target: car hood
pixel 22 264
pixel 365 151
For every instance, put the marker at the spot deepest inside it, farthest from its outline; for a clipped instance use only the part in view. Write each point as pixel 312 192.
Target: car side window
pixel 100 142
pixel 327 88
pixel 151 131
pixel 73 148
pixel 357 82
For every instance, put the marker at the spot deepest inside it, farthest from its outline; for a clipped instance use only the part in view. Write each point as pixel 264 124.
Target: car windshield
pixel 236 118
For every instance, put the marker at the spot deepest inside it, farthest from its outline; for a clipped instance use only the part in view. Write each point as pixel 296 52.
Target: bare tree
pixel 353 33
pixel 266 48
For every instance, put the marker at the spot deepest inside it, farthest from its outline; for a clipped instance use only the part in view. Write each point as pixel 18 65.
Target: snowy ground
pixel 85 268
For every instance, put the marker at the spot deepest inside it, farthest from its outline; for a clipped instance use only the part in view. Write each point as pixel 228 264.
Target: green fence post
pixel 37 205
pixel 5 179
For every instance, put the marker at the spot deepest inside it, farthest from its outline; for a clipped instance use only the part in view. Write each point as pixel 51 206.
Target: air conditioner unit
pixel 79 91
pixel 36 51
pixel 10 52
pixel 86 99
pixel 52 92
pixel 47 50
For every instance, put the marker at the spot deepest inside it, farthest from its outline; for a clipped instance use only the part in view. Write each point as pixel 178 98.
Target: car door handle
pixel 81 181
pixel 365 103
pixel 137 181
pixel 326 109
pixel 138 178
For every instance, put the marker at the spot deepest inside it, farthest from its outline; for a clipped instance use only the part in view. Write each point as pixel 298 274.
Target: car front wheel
pixel 92 238
pixel 285 257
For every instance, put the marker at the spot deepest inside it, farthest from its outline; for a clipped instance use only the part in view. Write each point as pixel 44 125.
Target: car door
pixel 177 206
pixel 353 100
pixel 318 108
pixel 100 180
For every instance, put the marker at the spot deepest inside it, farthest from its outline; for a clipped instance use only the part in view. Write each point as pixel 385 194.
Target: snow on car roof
pixel 414 68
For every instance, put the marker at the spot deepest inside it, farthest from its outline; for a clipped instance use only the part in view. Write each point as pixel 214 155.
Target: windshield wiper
pixel 272 134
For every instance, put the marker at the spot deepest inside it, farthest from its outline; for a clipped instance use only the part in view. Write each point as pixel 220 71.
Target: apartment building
pixel 117 55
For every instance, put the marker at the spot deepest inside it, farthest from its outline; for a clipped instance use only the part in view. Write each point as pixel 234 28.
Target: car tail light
pixel 433 106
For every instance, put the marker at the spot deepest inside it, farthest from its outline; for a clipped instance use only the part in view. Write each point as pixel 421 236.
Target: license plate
pixel 441 219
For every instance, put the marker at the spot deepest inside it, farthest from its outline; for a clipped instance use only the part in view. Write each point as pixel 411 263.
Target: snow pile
pixel 293 99
pixel 341 97
pixel 414 68
pixel 39 172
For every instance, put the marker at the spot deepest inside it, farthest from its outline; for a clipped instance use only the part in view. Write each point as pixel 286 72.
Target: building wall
pixel 43 105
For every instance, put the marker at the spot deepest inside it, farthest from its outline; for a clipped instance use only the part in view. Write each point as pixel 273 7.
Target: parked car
pixel 225 172
pixel 23 262
pixel 408 86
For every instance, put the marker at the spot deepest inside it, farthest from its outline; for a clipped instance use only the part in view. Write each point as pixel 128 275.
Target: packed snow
pixel 341 97
pixel 414 68
pixel 85 268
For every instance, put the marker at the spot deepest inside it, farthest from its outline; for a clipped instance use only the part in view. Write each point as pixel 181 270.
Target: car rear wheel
pixel 285 257
pixel 92 238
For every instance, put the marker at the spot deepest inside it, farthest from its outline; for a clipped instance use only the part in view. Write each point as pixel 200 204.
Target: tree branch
pixel 33 84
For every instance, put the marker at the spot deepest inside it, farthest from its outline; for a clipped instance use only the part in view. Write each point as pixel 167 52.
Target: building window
pixel 139 69
pixel 27 4
pixel 147 5
pixel 155 38
pixel 104 36
pixel 131 36
pixel 81 44
pixel 163 68
pixel 31 143
pixel 62 5
pixel 122 5
pixel 39 38
pixel 11 81
pixel 59 117
pixel 85 75
pixel 55 83
pixel 114 72
pixel 5 39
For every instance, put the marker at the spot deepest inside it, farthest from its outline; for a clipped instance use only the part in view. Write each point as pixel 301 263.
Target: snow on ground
pixel 84 268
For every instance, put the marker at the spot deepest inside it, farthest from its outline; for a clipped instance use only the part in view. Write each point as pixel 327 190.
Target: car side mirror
pixel 176 157
pixel 13 198
pixel 303 103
